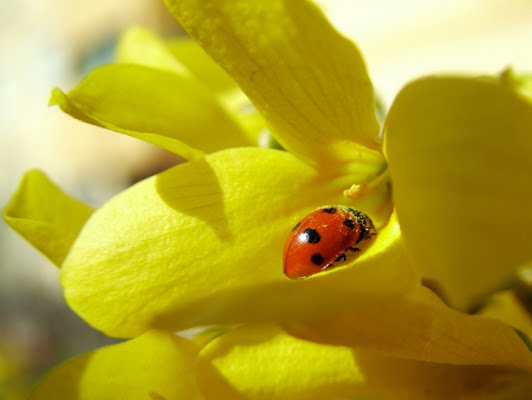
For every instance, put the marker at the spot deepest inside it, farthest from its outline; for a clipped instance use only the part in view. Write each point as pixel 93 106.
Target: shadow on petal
pixel 203 199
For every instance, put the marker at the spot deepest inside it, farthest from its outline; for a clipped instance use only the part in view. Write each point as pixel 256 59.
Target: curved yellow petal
pixel 141 46
pixel 202 244
pixel 157 365
pixel 420 326
pixel 45 216
pixel 186 58
pixel 157 106
pixel 263 362
pixel 460 156
pixel 309 82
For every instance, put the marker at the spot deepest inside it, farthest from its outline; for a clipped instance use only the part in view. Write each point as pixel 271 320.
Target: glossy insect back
pixel 321 239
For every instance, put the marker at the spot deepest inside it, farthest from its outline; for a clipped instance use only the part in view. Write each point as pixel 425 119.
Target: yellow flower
pixel 201 244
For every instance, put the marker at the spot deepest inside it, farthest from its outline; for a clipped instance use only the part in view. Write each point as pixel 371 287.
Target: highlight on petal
pixel 264 362
pixel 460 156
pixel 419 326
pixel 141 46
pixel 45 216
pixel 201 244
pixel 157 106
pixel 309 82
pixel 157 365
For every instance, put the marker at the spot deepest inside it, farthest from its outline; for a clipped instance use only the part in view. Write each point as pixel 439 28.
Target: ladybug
pixel 323 237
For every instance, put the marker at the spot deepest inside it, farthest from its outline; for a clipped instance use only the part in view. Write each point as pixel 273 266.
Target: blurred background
pixel 56 42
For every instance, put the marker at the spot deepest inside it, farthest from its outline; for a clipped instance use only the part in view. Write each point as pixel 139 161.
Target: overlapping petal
pixel 45 216
pixel 157 365
pixel 161 107
pixel 202 244
pixel 141 46
pixel 210 74
pixel 460 156
pixel 420 326
pixel 204 68
pixel 186 58
pixel 264 362
pixel 308 81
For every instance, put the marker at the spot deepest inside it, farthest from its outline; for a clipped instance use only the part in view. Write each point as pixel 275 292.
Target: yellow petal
pixel 309 82
pixel 263 362
pixel 202 244
pixel 158 365
pixel 45 216
pixel 460 155
pixel 420 326
pixel 186 58
pixel 141 46
pixel 507 307
pixel 522 83
pixel 215 79
pixel 157 106
pixel 203 67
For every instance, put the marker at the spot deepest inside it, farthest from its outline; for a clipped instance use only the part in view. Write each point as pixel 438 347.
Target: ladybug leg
pixel 355 249
pixel 341 258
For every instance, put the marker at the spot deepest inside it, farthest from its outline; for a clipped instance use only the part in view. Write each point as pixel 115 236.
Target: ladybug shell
pixel 321 238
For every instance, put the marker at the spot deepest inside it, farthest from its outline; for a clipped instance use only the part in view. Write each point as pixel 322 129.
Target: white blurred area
pixel 44 43
pixel 403 40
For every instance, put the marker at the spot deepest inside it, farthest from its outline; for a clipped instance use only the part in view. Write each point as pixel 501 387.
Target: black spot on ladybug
pixel 310 235
pixel 316 259
pixel 349 223
pixel 297 226
pixel 329 210
pixel 342 258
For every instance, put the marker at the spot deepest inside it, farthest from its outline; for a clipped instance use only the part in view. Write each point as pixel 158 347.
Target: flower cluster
pixel 421 313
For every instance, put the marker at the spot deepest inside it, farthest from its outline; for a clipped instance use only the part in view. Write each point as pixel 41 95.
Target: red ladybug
pixel 323 237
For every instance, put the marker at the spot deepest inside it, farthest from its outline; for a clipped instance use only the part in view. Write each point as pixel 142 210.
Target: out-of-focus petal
pixel 204 68
pixel 506 307
pixel 45 216
pixel 263 362
pixel 309 82
pixel 186 58
pixel 210 74
pixel 157 365
pixel 141 46
pixel 460 156
pixel 157 106
pixel 522 83
pixel 420 326
pixel 202 244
